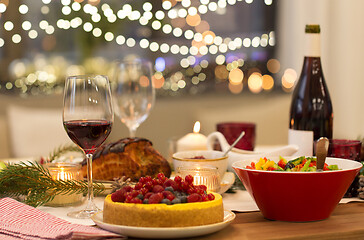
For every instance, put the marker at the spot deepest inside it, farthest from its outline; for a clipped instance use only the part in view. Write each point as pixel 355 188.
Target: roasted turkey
pixel 130 157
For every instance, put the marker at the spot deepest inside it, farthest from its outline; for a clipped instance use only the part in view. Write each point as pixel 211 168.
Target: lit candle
pixel 193 141
pixel 206 175
pixel 65 172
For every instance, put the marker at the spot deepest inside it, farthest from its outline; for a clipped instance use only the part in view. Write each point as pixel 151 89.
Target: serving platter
pixel 163 233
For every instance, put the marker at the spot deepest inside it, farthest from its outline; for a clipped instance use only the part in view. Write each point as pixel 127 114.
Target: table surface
pixel 346 222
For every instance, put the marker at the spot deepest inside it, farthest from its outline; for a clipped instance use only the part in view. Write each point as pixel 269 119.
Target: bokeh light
pixel 273 65
pixel 289 78
pixel 255 82
pixel 268 82
pixel 236 88
pixel 236 76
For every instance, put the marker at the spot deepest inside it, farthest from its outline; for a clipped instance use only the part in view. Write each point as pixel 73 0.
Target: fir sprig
pixel 35 183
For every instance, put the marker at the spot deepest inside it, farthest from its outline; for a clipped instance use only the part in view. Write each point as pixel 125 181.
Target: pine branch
pixel 33 181
pixel 62 150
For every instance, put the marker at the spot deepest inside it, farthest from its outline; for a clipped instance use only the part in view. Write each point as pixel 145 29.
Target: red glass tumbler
pixel 232 130
pixel 348 149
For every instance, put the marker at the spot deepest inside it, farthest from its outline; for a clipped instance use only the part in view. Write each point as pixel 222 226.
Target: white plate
pixel 151 232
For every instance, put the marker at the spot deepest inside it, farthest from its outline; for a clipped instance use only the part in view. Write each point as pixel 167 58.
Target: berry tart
pixel 163 202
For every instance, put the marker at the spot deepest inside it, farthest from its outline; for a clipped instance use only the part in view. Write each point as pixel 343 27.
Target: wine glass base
pixel 83 214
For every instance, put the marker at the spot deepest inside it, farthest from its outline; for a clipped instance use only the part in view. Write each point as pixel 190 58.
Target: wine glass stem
pixel 132 131
pixel 90 193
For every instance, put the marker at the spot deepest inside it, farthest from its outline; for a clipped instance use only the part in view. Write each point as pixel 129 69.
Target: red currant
pixel 142 180
pixel 204 197
pixel 177 179
pixel 211 196
pixel 144 190
pixel 189 179
pixel 138 186
pixel 161 177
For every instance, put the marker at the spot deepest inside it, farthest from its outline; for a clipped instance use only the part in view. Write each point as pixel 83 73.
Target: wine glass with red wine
pixel 87 119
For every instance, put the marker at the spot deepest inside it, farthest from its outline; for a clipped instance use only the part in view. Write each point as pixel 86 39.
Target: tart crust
pixel 162 215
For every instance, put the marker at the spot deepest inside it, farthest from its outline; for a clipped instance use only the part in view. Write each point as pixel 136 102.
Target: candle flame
pixel 196 127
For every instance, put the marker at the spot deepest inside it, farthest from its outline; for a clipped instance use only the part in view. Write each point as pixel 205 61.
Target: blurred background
pixel 214 61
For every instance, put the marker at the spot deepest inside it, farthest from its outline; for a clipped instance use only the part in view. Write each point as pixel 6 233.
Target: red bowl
pixel 297 196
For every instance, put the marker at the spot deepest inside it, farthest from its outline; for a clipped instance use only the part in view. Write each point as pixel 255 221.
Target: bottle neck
pixel 312 45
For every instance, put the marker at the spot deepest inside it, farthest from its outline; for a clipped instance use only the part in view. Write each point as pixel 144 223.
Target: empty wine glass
pixel 133 92
pixel 87 119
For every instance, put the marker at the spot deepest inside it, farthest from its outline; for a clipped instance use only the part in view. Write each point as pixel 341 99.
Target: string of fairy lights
pixel 179 19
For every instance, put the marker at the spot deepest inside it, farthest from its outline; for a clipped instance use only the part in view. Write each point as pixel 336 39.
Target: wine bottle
pixel 311 115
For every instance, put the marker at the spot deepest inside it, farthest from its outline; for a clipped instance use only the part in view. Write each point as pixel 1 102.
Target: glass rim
pixel 346 142
pixel 235 124
pixel 62 165
pixel 87 76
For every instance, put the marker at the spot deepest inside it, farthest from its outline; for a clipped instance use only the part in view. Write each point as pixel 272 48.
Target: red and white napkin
pixel 20 221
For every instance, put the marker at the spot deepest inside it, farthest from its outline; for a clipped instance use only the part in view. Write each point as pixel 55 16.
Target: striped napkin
pixel 20 221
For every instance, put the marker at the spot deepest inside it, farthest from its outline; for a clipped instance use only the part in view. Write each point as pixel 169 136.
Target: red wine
pixel 88 134
pixel 311 108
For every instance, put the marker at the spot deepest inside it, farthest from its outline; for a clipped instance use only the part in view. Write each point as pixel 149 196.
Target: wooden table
pixel 346 222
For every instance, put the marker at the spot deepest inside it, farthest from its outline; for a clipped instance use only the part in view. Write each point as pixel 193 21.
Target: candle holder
pixel 202 175
pixel 65 172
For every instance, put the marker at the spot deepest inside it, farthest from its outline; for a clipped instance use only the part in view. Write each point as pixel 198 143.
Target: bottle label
pixel 312 48
pixel 304 141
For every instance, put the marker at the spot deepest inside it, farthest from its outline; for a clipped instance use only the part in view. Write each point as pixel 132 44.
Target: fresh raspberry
pixel 155 198
pixel 148 179
pixel 194 197
pixel 118 196
pixel 189 179
pixel 169 195
pixel 191 190
pixel 158 188
pixel 211 196
pixel 147 195
pixel 126 189
pixel 170 183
